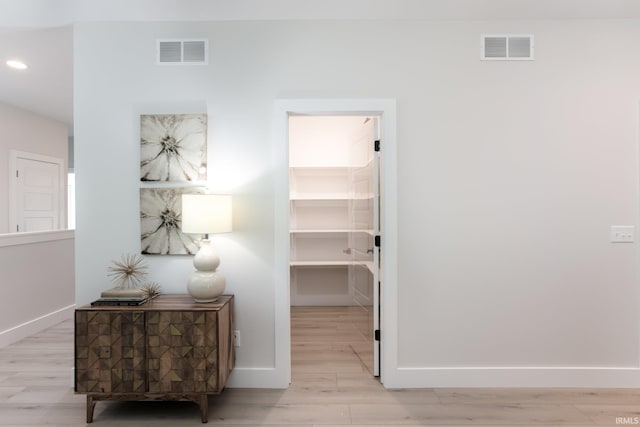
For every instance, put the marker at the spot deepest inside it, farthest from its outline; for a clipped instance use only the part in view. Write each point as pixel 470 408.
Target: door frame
pixel 386 109
pixel 14 155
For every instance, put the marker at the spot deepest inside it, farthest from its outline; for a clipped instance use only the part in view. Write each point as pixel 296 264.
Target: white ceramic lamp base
pixel 206 284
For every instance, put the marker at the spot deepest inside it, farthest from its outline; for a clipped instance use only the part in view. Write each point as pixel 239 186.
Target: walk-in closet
pixel 332 214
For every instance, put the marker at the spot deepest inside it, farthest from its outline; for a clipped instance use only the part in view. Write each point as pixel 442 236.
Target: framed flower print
pixel 161 220
pixel 173 147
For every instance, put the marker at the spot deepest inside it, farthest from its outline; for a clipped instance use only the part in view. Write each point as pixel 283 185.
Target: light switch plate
pixel 622 233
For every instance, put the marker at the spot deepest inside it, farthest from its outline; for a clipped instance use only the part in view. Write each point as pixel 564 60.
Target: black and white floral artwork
pixel 160 221
pixel 173 147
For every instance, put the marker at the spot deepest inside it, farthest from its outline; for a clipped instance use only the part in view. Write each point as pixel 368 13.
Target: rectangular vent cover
pixel 507 47
pixel 183 52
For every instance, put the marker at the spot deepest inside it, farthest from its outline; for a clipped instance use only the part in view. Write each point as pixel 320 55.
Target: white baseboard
pixel 596 377
pixel 528 377
pixel 34 326
pixel 533 377
pixel 256 378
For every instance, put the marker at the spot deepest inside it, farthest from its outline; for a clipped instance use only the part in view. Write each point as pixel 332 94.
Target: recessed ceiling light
pixel 16 64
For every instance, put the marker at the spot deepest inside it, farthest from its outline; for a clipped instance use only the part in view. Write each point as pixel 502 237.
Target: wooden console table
pixel 169 348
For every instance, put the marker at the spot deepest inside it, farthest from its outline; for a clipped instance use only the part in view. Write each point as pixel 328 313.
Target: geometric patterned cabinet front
pixel 169 348
pixel 110 351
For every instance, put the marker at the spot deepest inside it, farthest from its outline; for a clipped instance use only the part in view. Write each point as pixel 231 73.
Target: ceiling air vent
pixel 507 47
pixel 183 52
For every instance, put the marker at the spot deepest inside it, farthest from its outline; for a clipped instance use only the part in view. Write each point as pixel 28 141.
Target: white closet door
pixel 365 226
pixel 377 249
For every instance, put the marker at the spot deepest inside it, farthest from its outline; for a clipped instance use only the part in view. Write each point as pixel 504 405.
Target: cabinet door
pixel 110 352
pixel 226 346
pixel 182 351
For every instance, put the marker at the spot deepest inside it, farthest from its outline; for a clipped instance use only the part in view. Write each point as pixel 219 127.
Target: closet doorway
pixel 334 202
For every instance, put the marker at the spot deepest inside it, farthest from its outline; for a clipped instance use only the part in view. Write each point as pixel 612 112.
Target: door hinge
pixel 376 145
pixel 376 335
pixel 17 228
pixel 17 174
pixel 377 241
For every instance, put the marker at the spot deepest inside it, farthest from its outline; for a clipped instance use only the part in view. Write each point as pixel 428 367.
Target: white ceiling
pixel 46 87
pixel 48 13
pixel 40 31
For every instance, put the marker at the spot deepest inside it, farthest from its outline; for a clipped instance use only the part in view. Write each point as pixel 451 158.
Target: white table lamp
pixel 206 214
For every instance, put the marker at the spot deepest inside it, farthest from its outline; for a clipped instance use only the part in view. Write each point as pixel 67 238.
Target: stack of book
pixel 119 296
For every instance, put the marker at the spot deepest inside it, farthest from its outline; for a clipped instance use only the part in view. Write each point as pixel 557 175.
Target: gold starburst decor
pixel 128 272
pixel 150 290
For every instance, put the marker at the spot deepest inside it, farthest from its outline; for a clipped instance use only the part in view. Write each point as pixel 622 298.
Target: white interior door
pixel 37 187
pixel 364 274
pixel 377 248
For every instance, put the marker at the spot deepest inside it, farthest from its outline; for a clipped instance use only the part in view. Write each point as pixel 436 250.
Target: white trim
pixel 593 377
pixel 27 238
pixel 14 155
pixel 637 264
pixel 255 378
pixel 34 326
pixel 282 295
pixel 386 108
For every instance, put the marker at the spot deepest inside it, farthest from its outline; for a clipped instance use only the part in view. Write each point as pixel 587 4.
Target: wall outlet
pixel 236 338
pixel 622 233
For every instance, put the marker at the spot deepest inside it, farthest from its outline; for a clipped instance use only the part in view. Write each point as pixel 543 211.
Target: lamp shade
pixel 206 213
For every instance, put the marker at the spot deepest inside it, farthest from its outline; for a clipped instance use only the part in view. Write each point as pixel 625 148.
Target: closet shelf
pixel 328 197
pixel 368 264
pixel 330 168
pixel 331 231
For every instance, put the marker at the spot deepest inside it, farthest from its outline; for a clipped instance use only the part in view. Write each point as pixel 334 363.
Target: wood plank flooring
pixel 331 386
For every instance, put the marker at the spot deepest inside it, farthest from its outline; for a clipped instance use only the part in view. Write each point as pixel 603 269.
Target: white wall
pixel 325 141
pixel 26 131
pixel 36 269
pixel 37 277
pixel 510 174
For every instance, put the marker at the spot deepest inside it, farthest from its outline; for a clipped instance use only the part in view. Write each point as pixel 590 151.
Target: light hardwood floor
pixel 331 386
